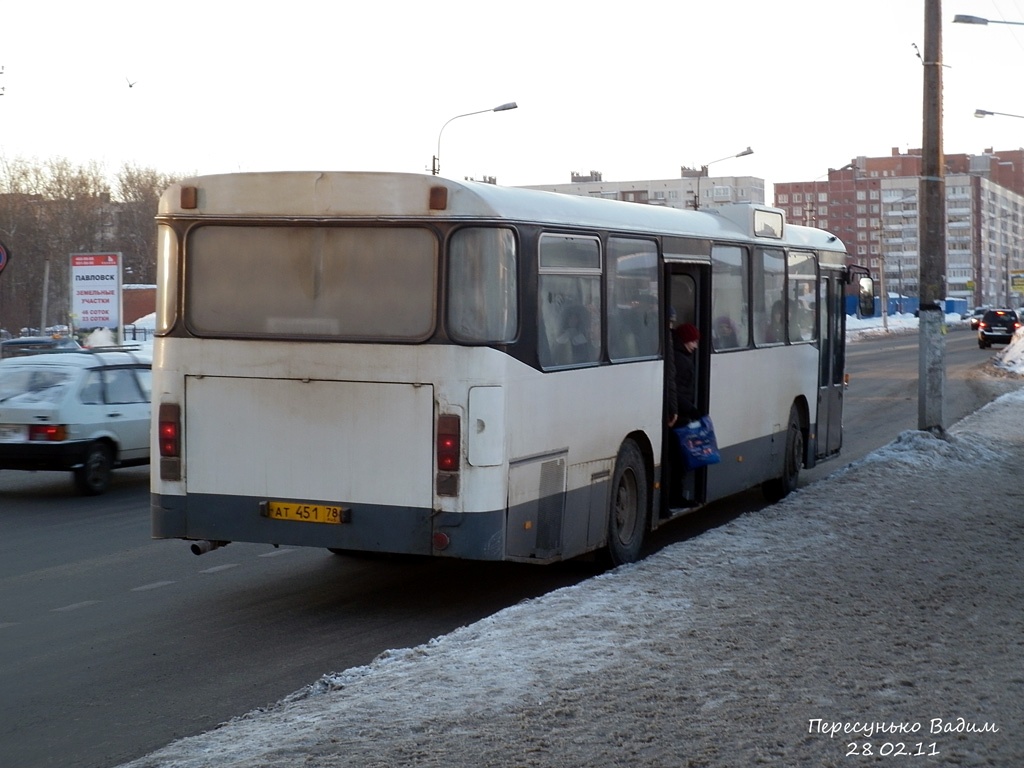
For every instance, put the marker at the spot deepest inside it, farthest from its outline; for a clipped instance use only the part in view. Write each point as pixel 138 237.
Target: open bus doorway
pixel 683 488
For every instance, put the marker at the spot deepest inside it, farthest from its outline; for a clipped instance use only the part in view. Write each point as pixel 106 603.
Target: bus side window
pixel 730 298
pixel 482 288
pixel 567 326
pixel 569 292
pixel 800 279
pixel 633 301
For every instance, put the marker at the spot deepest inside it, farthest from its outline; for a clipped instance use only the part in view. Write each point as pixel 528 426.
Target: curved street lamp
pixel 986 113
pixel 704 172
pixel 435 165
pixel 962 18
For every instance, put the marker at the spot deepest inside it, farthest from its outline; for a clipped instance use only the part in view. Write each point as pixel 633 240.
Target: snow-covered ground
pixel 871 617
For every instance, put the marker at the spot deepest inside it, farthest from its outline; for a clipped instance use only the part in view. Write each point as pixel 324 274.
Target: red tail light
pixel 448 443
pixel 169 430
pixel 47 432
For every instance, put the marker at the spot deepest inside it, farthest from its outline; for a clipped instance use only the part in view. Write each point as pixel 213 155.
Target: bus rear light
pixel 449 451
pixel 441 541
pixel 49 433
pixel 169 430
pixel 449 443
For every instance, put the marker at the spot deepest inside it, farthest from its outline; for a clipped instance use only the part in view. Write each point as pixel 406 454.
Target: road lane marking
pixel 76 606
pixel 6 624
pixel 276 552
pixel 154 585
pixel 220 568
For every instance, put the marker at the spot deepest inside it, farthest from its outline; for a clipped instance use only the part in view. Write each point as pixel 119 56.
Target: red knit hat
pixel 688 332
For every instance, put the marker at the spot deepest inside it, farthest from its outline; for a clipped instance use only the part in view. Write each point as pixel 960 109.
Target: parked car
pixel 975 317
pixel 997 326
pixel 82 410
pixel 30 345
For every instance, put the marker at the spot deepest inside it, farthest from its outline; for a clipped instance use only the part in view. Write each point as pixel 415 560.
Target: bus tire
pixel 628 506
pixel 778 488
pixel 93 477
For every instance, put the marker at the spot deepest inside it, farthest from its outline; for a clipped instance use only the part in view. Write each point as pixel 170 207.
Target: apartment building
pixel 871 204
pixel 693 185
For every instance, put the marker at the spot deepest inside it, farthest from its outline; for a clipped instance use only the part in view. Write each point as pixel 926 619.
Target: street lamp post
pixel 704 172
pixel 986 113
pixel 435 165
pixel 932 238
pixel 962 18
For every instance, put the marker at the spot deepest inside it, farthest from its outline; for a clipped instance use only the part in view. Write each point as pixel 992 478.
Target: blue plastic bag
pixel 698 443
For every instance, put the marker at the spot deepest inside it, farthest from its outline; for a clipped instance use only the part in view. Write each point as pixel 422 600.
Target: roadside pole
pixel 932 234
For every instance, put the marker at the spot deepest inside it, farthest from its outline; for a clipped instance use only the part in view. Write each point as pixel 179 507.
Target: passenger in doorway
pixel 685 340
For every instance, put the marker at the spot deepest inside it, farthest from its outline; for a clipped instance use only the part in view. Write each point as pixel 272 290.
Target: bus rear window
pixel 353 283
pixel 482 288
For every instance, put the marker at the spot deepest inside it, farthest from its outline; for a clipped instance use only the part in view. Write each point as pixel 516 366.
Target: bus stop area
pixel 874 616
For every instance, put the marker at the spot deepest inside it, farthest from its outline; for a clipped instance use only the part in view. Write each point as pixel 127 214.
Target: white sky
pixel 632 90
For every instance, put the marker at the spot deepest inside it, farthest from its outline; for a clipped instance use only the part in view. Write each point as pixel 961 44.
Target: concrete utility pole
pixel 932 233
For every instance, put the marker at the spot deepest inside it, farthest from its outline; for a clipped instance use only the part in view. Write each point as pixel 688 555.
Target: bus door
pixel 687 290
pixel 831 365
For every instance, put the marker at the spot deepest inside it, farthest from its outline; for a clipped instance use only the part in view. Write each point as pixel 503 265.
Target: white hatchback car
pixel 86 411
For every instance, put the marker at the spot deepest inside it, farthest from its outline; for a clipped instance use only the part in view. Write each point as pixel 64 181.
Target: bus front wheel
pixel 627 513
pixel 778 488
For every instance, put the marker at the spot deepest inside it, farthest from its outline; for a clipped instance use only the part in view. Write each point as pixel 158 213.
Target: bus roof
pixel 390 196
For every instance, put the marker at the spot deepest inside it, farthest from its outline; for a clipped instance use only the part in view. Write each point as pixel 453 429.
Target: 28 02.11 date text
pixel 891 749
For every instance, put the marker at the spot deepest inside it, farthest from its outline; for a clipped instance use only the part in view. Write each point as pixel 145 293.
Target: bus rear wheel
pixel 778 488
pixel 627 513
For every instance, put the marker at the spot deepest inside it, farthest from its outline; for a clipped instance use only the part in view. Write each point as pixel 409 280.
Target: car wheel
pixel 93 477
pixel 778 488
pixel 627 509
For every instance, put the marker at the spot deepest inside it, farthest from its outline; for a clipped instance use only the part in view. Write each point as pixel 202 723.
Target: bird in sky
pixel 130 83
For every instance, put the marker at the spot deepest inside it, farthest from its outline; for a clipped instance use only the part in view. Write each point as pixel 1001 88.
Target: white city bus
pixel 385 362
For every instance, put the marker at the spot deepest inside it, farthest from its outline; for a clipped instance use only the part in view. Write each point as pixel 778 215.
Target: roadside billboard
pixel 1017 280
pixel 96 291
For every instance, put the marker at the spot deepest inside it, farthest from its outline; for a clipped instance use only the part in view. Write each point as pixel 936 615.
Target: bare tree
pixel 138 194
pixel 49 211
pixel 75 217
pixel 22 233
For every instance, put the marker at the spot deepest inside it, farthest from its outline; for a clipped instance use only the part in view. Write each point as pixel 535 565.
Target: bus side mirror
pixel 866 297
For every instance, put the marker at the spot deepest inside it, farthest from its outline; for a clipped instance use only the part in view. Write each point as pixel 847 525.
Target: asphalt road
pixel 114 644
pixel 882 398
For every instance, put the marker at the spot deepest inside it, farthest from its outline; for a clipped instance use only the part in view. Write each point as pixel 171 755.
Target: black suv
pixel 997 326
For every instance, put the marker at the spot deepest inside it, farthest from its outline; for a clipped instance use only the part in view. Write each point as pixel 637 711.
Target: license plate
pixel 305 513
pixel 12 433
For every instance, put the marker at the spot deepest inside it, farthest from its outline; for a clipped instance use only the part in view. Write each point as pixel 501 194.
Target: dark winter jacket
pixel 686 382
